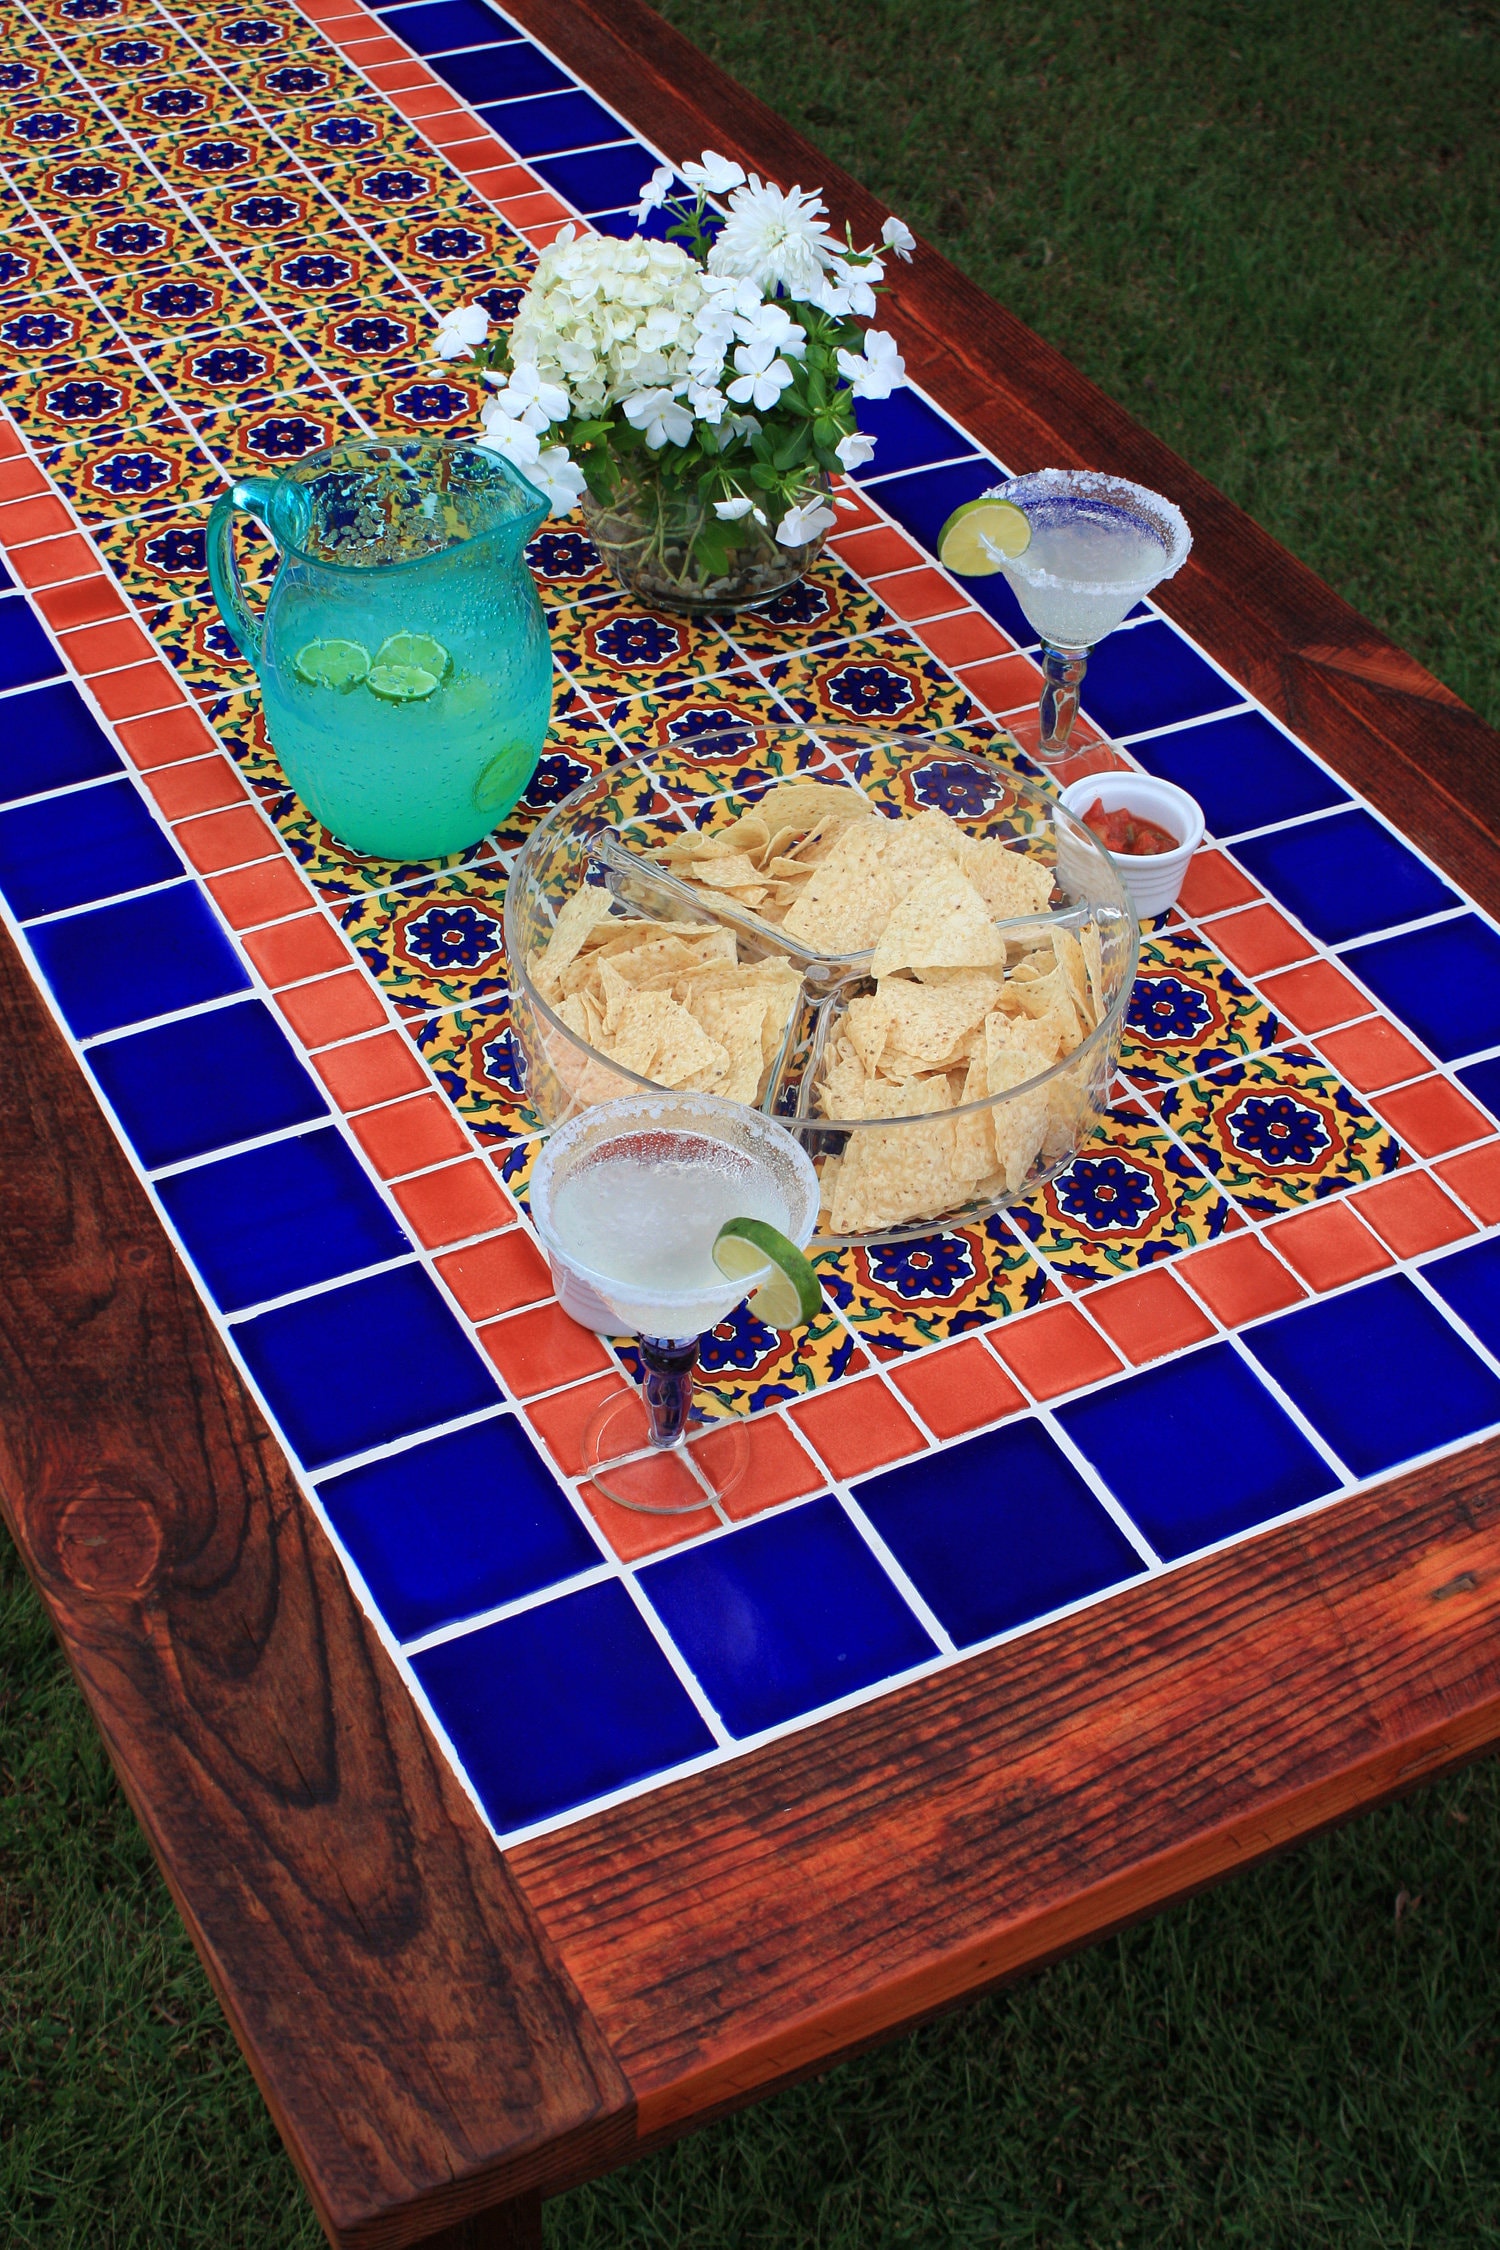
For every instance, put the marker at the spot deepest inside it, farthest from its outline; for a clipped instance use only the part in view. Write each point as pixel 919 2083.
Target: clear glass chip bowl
pixel 603 835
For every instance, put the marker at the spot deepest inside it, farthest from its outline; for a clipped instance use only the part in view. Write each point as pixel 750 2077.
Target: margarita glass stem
pixel 1062 676
pixel 668 1385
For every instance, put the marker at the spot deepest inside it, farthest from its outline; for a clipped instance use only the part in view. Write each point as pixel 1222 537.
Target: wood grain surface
pixel 418 2044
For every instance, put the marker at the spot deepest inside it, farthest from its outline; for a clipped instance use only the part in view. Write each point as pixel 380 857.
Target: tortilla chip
pixel 1070 955
pixel 847 901
pixel 892 1173
pixel 1008 880
pixel 940 923
pixel 1017 1049
pixel 583 912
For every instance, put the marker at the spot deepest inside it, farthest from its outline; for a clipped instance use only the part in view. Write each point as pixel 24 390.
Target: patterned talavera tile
pixel 263 210
pixel 825 607
pixel 744 1366
pixel 901 1296
pixel 243 41
pixel 481 250
pixel 71 123
pixel 114 255
pixel 476 1057
pixel 703 740
pixel 200 647
pixel 186 102
pixel 1189 1012
pixel 256 439
pixel 381 333
pixel 1280 1130
pixel 416 187
pixel 440 944
pixel 62 328
pixel 889 679
pixel 337 873
pixel 329 267
pixel 245 367
pixel 565 563
pixel 32 72
pixel 62 405
pixel 966 772
pixel 1129 1198
pixel 348 135
pixel 421 401
pixel 136 473
pixel 201 299
pixel 75 197
pixel 576 747
pixel 279 87
pixel 165 562
pixel 619 645
pixel 239 722
pixel 30 267
pixel 115 56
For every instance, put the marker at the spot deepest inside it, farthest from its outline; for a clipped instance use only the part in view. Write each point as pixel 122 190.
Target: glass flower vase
pixel 663 543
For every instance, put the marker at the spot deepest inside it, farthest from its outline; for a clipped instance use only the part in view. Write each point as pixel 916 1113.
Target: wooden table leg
pixel 516 2225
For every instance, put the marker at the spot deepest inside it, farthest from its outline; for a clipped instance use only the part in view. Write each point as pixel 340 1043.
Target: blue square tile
pixel 622 225
pixel 1379 1372
pixel 50 739
pixel 1148 677
pixel 1345 876
pixel 600 179
pixel 436 25
pixel 7 583
pixel 1197 1450
pixel 1483 1082
pixel 144 957
pixel 457 1526
pixel 560 1704
pixel 997 1530
pixel 554 123
pixel 1444 984
pixel 907 433
pixel 66 851
pixel 205 1082
pixel 922 502
pixel 284 1217
pixel 1243 772
pixel 26 654
pixel 505 74
pixel 1469 1281
pixel 783 1615
pixel 359 1366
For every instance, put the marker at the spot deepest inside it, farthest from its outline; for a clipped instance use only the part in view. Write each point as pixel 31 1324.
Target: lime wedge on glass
pixel 335 664
pixel 400 683
pixel 790 1293
pixel 416 652
pixel 981 535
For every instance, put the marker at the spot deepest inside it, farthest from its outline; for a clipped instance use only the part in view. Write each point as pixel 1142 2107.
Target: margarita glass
pixel 629 1199
pixel 1098 545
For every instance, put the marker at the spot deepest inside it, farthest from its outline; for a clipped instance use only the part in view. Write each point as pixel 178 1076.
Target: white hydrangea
pixel 605 320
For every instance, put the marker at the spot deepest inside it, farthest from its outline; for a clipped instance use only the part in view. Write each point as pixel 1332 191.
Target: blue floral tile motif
pixel 1469 1281
pixel 1128 1199
pixel 50 739
pixel 361 1365
pixel 887 680
pixel 437 944
pixel 826 606
pixel 144 957
pixel 1379 1372
pixel 1188 1012
pixel 205 1082
pixel 1197 1450
pixel 561 1704
pixel 457 1526
pixel 1345 876
pixel 1280 1131
pixel 478 1061
pixel 997 1531
pixel 744 1366
pixel 901 1296
pixel 67 851
pixel 784 1615
pixel 1243 771
pixel 1443 983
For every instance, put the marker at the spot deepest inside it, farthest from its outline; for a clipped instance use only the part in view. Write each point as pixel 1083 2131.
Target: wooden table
pixel 445 2034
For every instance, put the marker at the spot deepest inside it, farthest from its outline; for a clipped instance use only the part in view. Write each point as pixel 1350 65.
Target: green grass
pixel 1268 229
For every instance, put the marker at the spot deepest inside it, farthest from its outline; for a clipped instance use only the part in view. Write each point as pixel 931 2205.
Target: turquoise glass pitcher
pixel 403 655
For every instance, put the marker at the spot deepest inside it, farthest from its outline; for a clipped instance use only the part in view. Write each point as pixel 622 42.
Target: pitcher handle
pixel 252 495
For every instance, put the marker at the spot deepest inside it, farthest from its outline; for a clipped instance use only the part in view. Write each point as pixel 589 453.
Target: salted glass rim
pixel 1161 516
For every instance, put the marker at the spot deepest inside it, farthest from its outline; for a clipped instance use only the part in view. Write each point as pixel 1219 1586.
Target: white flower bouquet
pixel 697 394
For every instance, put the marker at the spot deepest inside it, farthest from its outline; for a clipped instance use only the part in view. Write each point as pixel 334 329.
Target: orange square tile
pixel 287 952
pixel 1374 1054
pixel 451 130
pixel 40 517
pixel 915 594
pixel 1054 1350
pixel 1239 1280
pixel 10 439
pixel 370 1070
pixel 1004 683
pixel 959 1388
pixel 263 893
pixel 875 550
pixel 83 601
pixel 166 737
pixel 1311 998
pixel 968 638
pixel 429 100
pixel 1412 1214
pixel 662 1481
pixel 1149 1316
pixel 20 478
pixel 541 234
pixel 51 561
pixel 853 508
pixel 136 689
pixel 195 785
pixel 857 1426
pixel 529 211
pixel 227 839
pixel 1328 1246
pixel 778 1469
pixel 335 1008
pixel 385 63
pixel 498 1275
pixel 408 1136
pixel 107 646
pixel 1211 884
pixel 1433 1117
pixel 497 180
pixel 536 1351
pixel 450 1205
pixel 1258 939
pixel 560 1421
pixel 1475 1177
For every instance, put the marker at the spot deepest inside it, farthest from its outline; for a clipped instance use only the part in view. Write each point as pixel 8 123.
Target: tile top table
pixel 1085 1553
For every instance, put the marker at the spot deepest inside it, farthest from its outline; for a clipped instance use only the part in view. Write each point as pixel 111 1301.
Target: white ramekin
pixel 1153 879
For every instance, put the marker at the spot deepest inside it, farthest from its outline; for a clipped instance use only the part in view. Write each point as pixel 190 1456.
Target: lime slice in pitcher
pixel 791 1292
pixel 400 683
pixel 415 652
pixel 334 664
